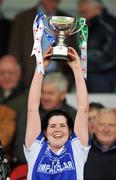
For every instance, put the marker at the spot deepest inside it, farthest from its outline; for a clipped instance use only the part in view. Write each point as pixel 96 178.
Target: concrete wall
pixel 11 7
pixel 109 100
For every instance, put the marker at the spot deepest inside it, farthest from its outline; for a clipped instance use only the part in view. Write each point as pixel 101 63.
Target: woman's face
pixel 57 132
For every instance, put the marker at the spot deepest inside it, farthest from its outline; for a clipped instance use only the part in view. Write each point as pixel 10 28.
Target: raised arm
pixel 33 128
pixel 81 121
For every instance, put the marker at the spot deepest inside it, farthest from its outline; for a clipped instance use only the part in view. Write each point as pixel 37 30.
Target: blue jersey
pixel 67 164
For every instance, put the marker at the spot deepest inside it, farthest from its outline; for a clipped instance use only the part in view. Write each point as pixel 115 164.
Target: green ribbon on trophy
pixel 83 37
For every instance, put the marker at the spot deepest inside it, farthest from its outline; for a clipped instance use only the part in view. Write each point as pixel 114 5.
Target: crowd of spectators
pixel 17 68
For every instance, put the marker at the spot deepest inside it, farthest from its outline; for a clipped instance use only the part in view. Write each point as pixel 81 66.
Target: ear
pixel 98 9
pixel 62 96
pixel 18 73
pixel 45 133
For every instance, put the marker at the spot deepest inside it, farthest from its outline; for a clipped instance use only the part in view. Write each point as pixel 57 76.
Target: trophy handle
pixel 84 23
pixel 48 29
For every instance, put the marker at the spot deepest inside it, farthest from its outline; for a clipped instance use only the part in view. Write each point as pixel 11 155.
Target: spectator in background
pixel 12 90
pixel 101 46
pixel 54 91
pixel 101 163
pixel 94 108
pixel 7 130
pixel 11 87
pixel 5 26
pixel 21 42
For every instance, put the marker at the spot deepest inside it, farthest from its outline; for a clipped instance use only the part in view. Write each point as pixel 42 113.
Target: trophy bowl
pixel 62 23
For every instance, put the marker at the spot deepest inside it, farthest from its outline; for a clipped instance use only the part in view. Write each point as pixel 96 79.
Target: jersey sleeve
pixel 78 147
pixel 35 148
pixel 80 153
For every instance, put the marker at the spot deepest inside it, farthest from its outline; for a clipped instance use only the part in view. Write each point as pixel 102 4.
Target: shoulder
pixel 29 13
pixel 72 111
pixel 5 23
pixel 109 18
pixel 65 105
pixel 7 113
pixel 35 148
pixel 5 20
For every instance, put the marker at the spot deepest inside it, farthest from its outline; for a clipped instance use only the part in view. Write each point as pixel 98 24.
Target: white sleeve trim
pixel 80 156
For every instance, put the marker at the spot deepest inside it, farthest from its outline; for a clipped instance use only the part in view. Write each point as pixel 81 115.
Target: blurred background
pixel 12 7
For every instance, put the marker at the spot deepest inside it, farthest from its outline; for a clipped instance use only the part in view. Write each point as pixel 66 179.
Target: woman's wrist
pixel 77 70
pixel 77 65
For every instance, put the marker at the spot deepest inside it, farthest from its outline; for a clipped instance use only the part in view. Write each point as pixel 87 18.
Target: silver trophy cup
pixel 62 27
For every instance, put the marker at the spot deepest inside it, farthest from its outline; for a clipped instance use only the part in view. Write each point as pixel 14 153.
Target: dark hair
pixel 57 112
pixel 96 105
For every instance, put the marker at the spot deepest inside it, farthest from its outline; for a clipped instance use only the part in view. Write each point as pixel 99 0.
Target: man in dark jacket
pixel 101 46
pixel 54 91
pixel 101 162
pixel 11 87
